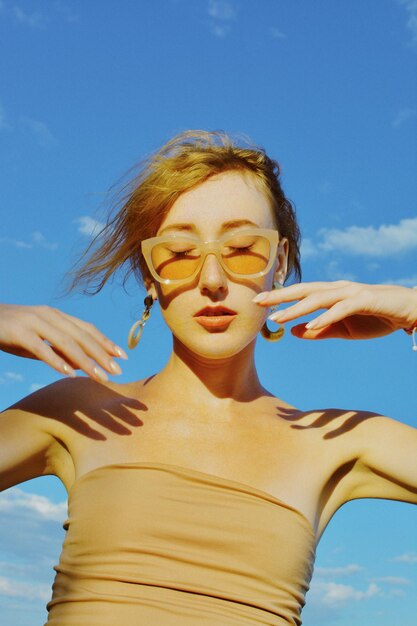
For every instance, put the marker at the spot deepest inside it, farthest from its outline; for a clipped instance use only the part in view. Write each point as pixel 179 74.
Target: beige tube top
pixel 152 544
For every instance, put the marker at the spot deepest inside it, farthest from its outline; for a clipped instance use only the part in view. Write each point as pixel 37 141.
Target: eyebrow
pixel 187 227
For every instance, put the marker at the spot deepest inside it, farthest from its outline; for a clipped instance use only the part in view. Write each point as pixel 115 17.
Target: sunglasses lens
pixel 246 254
pixel 175 259
pixel 242 254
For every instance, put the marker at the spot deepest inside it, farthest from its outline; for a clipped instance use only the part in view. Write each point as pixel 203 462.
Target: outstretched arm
pixel 386 449
pixel 387 460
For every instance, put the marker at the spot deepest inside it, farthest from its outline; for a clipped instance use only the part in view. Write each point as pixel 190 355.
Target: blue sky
pixel 328 87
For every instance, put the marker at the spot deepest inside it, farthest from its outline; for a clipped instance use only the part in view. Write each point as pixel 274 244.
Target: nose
pixel 212 275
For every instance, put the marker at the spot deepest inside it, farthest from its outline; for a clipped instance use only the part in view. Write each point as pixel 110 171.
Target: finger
pixel 338 312
pixel 322 300
pixel 90 339
pixel 308 305
pixel 298 291
pixel 333 331
pixel 38 349
pixel 71 349
pixel 62 356
pixel 107 344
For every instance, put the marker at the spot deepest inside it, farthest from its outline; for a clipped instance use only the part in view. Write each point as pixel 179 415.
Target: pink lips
pixel 215 317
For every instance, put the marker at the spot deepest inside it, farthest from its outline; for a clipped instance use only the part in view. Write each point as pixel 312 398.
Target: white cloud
pixel 220 30
pixel 221 12
pixel 308 249
pixel 33 20
pixel 18 569
pixel 40 239
pixel 11 377
pixel 15 499
pixel 407 557
pixel 411 9
pixel 399 593
pixel 408 281
pixel 393 580
pixel 34 387
pixel 88 225
pixel 345 570
pixel 336 594
pixel 31 591
pixel 402 116
pixel 334 272
pixel 39 129
pixel 276 33
pixel 16 242
pixel 30 542
pixel 14 376
pixel 383 241
pixel 37 20
pixel 41 132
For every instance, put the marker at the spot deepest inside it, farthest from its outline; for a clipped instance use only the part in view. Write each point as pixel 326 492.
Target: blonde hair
pixel 187 160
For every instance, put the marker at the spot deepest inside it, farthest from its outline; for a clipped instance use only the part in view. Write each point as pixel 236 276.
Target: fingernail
pixel 69 371
pixel 276 316
pixel 100 374
pixel 121 353
pixel 311 324
pixel 261 296
pixel 115 367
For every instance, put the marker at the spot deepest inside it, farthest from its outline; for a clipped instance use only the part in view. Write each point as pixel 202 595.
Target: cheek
pixel 251 318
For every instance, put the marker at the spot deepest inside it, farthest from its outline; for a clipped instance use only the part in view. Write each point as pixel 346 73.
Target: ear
pixel 282 261
pixel 151 288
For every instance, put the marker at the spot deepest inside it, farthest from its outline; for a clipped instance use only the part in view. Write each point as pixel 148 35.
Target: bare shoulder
pixel 42 407
pixel 48 408
pixel 386 453
pixel 358 454
pixel 338 436
pixel 338 425
pixel 30 431
pixel 354 431
pixel 42 432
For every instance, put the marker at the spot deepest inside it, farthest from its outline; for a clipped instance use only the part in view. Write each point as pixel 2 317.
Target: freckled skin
pixel 224 197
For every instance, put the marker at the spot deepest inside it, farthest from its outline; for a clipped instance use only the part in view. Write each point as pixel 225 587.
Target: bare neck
pixel 210 382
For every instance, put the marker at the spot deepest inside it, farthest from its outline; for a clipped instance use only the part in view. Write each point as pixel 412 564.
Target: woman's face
pixel 226 197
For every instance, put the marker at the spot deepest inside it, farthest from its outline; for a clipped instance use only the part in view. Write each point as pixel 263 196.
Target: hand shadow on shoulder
pixel 334 422
pixel 83 404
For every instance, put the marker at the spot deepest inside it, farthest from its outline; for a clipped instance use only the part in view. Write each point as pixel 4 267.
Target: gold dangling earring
pixel 132 340
pixel 273 335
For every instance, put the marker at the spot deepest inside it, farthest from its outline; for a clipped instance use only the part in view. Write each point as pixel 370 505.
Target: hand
pixel 71 341
pixel 354 310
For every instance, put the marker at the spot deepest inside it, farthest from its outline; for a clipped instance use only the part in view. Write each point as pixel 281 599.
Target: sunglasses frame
pixel 210 247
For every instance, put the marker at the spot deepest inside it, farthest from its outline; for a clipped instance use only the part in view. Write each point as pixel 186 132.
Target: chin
pixel 216 345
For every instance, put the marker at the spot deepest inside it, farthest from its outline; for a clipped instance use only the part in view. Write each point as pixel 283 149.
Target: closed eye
pixel 240 249
pixel 179 253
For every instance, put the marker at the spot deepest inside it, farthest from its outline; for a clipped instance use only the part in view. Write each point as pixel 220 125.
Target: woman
pixel 196 496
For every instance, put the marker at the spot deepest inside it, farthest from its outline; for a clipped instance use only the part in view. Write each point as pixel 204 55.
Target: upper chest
pixel 278 451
